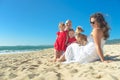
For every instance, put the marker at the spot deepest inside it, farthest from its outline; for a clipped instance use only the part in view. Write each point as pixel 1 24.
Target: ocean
pixel 21 49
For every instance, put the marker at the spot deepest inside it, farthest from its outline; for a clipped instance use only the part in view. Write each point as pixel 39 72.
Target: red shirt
pixel 60 43
pixel 71 40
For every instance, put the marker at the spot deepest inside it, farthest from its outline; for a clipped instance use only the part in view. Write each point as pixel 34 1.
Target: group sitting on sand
pixel 73 46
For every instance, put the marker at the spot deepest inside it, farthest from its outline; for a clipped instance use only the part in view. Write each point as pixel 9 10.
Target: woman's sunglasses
pixel 92 22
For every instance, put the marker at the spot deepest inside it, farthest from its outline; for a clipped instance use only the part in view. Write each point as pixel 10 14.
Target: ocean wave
pixel 21 49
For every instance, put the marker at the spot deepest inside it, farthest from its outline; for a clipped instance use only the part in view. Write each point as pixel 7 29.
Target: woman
pixel 93 50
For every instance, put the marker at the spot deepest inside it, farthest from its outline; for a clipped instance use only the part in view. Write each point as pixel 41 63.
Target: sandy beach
pixel 37 66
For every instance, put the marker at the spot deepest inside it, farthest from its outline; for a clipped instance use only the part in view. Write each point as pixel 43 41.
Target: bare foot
pixel 60 60
pixel 108 61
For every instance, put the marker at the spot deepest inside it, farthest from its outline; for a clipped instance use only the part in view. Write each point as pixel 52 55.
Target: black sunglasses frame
pixel 92 22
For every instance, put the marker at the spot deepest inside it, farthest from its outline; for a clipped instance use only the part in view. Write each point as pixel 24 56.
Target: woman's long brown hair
pixel 102 24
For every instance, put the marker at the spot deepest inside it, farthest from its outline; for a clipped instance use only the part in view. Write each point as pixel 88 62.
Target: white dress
pixel 82 54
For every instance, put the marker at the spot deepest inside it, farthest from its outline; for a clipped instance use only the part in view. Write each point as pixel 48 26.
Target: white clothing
pixel 82 54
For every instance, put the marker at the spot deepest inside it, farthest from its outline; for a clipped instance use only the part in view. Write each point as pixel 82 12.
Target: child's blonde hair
pixel 67 21
pixel 81 39
pixel 79 30
pixel 61 24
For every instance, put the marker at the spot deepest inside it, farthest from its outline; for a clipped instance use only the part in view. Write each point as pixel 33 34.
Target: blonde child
pixel 80 38
pixel 68 25
pixel 60 43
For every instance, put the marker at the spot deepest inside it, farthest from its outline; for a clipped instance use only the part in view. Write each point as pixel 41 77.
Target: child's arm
pixel 66 40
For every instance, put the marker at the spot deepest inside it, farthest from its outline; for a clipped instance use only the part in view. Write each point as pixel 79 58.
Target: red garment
pixel 60 43
pixel 71 40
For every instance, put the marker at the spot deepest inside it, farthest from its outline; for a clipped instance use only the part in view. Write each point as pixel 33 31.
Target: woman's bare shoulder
pixel 97 32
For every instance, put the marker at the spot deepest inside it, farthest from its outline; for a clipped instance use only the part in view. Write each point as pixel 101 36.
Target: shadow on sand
pixel 113 58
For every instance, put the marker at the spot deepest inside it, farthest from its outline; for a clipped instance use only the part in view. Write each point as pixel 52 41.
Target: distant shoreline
pixel 30 48
pixel 21 49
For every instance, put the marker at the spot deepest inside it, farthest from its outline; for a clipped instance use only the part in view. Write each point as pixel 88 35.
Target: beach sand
pixel 37 66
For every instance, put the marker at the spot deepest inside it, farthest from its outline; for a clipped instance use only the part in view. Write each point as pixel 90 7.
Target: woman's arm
pixel 97 35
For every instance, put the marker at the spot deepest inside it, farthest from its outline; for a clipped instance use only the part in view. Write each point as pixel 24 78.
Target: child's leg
pixel 62 58
pixel 55 54
pixel 60 53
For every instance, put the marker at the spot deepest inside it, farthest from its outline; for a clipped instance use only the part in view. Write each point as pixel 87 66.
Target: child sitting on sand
pixel 80 38
pixel 71 37
pixel 60 43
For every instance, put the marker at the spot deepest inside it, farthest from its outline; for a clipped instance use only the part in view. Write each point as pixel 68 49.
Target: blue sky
pixel 35 22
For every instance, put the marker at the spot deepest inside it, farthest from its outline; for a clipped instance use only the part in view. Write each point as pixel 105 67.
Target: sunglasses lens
pixel 92 22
